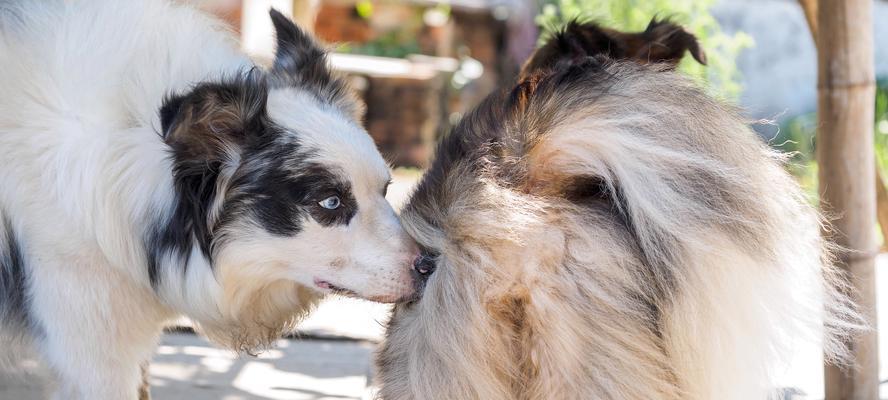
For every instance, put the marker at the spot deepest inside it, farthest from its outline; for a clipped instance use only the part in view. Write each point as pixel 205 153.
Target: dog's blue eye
pixel 330 203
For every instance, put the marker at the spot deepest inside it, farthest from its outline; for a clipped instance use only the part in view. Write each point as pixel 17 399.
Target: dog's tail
pixel 661 42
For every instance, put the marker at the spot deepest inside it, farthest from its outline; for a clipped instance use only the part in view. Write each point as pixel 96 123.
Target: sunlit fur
pixel 143 156
pixel 606 230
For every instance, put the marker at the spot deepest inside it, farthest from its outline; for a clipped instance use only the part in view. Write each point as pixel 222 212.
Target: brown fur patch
pixel 215 117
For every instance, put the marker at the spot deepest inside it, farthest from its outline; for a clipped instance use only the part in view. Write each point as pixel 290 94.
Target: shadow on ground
pixel 186 367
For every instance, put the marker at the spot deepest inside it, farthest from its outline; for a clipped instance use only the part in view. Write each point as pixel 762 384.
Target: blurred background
pixel 419 66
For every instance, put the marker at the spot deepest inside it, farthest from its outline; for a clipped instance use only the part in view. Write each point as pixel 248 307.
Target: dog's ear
pixel 215 118
pixel 662 42
pixel 298 56
pixel 300 61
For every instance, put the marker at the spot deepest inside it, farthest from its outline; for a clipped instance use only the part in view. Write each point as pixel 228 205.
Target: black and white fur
pixel 150 170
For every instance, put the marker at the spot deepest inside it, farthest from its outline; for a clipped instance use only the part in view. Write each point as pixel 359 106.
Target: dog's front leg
pixel 88 369
pixel 97 327
pixel 145 387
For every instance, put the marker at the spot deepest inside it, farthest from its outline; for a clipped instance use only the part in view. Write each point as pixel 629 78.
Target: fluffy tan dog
pixel 606 230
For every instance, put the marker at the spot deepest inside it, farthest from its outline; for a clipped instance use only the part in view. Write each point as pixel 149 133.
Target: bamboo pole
pixel 846 160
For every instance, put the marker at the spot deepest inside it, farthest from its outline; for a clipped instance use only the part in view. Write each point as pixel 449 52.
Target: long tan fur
pixel 606 230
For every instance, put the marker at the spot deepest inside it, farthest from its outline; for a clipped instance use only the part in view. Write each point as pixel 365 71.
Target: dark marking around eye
pixel 342 215
pixel 281 198
pixel 287 201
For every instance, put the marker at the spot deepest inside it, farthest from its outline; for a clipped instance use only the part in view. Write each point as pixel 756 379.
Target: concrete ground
pixel 186 367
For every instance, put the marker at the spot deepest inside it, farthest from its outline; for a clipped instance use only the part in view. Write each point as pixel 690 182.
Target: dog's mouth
pixel 335 288
pixel 328 287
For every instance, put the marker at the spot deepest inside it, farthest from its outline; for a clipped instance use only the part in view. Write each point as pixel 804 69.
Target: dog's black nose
pixel 424 265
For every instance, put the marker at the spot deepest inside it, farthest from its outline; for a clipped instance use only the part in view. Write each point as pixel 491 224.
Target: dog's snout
pixel 424 266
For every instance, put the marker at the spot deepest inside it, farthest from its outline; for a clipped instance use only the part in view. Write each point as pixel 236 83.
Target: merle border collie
pixel 151 170
pixel 604 229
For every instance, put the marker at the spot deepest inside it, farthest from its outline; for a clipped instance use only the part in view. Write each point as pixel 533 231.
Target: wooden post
pixel 882 208
pixel 809 7
pixel 845 94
